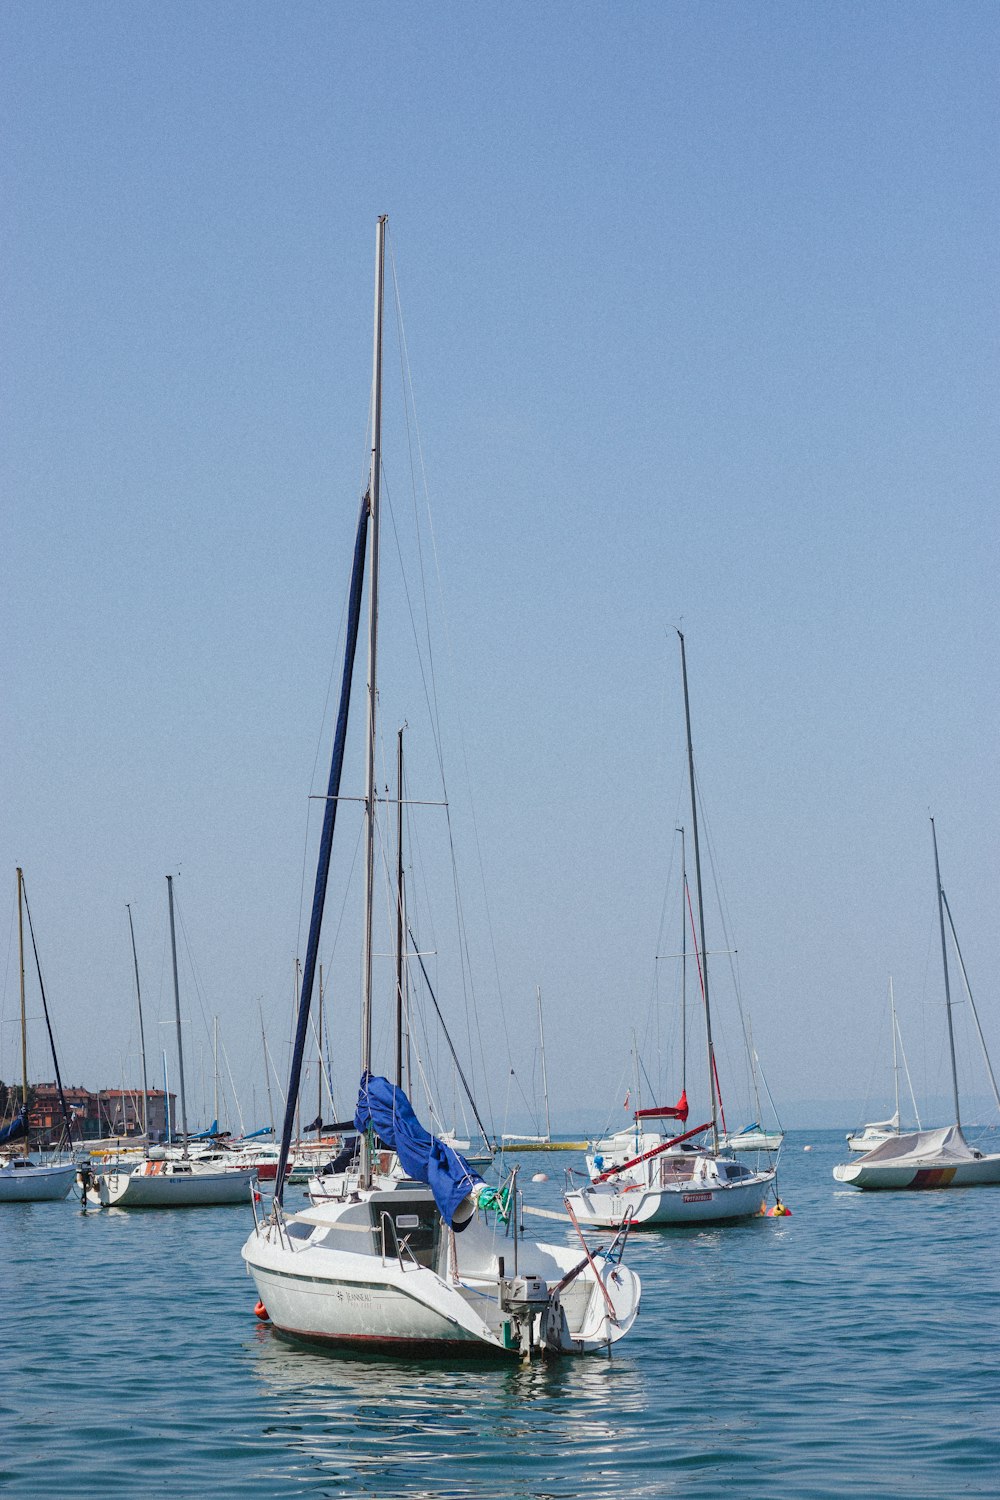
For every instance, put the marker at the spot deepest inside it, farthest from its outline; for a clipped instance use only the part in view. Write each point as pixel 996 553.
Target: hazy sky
pixel 700 304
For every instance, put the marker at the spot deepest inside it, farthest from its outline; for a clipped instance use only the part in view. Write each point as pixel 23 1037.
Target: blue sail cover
pixel 18 1126
pixel 390 1114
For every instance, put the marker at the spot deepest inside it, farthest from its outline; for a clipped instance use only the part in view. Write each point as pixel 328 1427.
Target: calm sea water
pixel 850 1350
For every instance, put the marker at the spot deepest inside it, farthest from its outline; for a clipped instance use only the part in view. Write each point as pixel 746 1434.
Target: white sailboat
pixel 21 1179
pixel 163 1179
pixel 518 1141
pixel 423 1264
pixel 877 1132
pixel 929 1158
pixel 756 1137
pixel 653 1180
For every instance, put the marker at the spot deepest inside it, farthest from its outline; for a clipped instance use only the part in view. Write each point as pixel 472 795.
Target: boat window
pixel 416 1223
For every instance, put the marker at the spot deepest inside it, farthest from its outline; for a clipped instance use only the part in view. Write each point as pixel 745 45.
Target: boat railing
pixel 400 1245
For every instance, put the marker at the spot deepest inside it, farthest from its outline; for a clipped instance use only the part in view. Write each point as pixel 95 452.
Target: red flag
pixel 628 1095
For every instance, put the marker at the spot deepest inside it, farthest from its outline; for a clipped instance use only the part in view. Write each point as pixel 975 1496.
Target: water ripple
pixel 847 1351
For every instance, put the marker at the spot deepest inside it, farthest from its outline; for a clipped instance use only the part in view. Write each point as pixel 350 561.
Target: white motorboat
pixel 939 1158
pixel 432 1262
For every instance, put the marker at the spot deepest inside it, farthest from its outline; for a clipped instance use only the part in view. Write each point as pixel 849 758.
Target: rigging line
pixel 968 991
pixel 48 1023
pixel 726 930
pixel 433 708
pixel 201 999
pixel 701 984
pixel 409 403
pixel 622 1078
pixel 232 1086
pixel 268 1057
pixel 10 954
pixel 528 1106
pixel 447 1036
pixel 331 950
pixel 408 385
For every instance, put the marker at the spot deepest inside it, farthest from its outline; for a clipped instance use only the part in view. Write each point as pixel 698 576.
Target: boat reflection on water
pixel 382 1426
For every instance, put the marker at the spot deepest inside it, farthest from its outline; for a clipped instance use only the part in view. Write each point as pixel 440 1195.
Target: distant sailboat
pixel 163 1180
pixel 21 1179
pixel 512 1141
pixel 929 1158
pixel 756 1137
pixel 877 1132
pixel 673 1181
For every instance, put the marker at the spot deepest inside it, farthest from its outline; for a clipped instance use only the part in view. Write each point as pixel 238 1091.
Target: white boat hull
pixel 983 1171
pixel 34 1184
pixel 714 1202
pixel 174 1189
pixel 317 1290
pixel 753 1140
pixel 867 1140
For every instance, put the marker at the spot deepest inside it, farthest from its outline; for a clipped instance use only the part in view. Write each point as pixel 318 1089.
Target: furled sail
pixel 678 1111
pixel 390 1114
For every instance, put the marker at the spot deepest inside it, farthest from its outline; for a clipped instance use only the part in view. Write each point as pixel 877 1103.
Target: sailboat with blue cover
pixel 432 1262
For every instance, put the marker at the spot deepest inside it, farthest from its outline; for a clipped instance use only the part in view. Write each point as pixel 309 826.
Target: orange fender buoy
pixel 260 1311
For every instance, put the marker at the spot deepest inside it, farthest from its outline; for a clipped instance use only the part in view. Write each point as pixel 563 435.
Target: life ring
pixel 260 1311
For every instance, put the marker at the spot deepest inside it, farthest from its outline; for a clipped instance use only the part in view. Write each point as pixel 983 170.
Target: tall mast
pixel 319 1058
pixel 177 1015
pixel 373 574
pixel 24 1017
pixel 947 985
pixel 684 962
pixel 545 1081
pixel 267 1071
pixel 142 1035
pixel 215 1064
pixel 895 1056
pixel 701 904
pixel 399 911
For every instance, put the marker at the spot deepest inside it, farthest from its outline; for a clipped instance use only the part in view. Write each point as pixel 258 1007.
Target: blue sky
pixel 701 310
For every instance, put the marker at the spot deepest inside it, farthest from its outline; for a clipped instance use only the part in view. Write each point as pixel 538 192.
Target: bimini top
pixel 947 1145
pixel 390 1114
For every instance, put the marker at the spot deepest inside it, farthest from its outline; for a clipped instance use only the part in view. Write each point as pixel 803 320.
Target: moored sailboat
pixel 163 1179
pixel 432 1262
pixel 671 1181
pixel 877 1132
pixel 21 1179
pixel 925 1159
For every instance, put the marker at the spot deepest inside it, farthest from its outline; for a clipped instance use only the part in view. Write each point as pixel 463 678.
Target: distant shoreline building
pixel 108 1112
